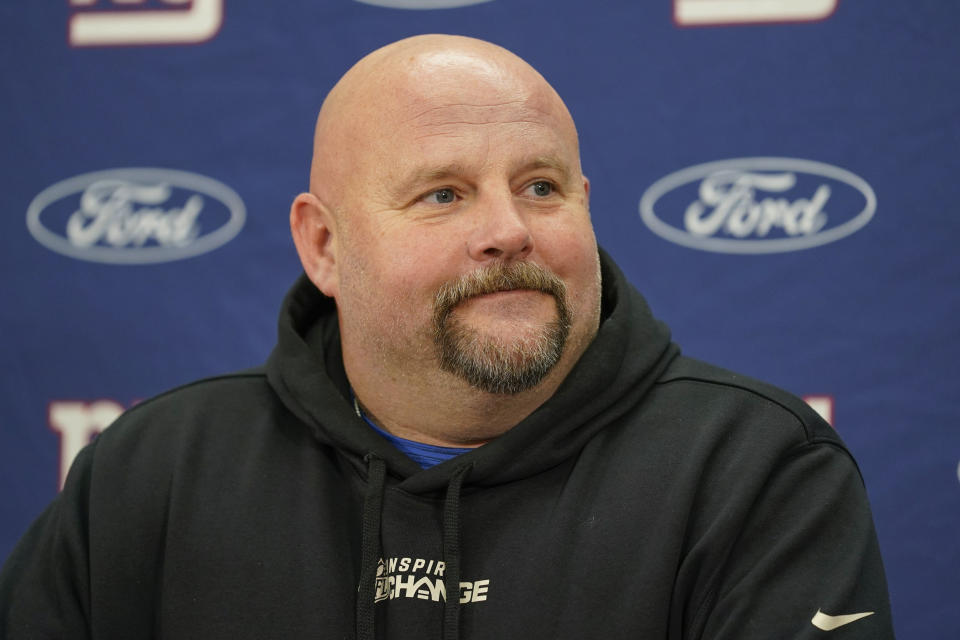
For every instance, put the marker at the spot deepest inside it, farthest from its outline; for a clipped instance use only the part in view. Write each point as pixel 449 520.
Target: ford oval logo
pixel 422 4
pixel 757 205
pixel 135 216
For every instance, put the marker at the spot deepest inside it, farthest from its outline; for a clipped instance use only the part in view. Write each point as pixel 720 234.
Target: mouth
pixel 508 293
pixel 507 303
pixel 503 291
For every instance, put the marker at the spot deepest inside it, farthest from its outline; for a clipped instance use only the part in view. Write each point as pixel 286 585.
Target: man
pixel 471 425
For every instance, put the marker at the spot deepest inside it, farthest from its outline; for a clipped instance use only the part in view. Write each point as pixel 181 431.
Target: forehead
pixel 465 141
pixel 455 115
pixel 445 120
pixel 451 110
pixel 441 89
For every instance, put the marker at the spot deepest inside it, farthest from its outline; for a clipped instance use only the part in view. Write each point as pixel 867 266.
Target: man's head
pixel 447 216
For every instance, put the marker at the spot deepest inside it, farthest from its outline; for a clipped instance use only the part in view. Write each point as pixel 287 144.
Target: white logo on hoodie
pixel 404 577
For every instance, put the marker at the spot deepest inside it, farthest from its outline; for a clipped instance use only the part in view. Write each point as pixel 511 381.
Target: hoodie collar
pixel 628 354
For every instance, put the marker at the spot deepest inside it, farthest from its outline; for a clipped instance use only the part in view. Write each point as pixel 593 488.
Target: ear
pixel 312 226
pixel 586 192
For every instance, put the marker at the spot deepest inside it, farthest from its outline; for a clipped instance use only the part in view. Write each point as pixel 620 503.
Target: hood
pixel 628 354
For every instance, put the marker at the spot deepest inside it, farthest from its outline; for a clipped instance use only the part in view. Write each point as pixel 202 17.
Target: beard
pixel 493 364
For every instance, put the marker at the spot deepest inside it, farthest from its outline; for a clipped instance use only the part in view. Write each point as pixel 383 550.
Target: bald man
pixel 471 425
pixel 448 164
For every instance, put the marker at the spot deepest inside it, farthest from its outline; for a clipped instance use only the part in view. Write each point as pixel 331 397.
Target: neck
pixel 441 409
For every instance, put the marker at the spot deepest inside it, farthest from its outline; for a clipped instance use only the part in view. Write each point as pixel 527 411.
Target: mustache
pixel 498 277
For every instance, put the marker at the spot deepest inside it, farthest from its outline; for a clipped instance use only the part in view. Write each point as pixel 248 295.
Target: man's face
pixel 465 240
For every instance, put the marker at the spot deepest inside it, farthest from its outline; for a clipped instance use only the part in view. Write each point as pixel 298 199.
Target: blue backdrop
pixel 779 177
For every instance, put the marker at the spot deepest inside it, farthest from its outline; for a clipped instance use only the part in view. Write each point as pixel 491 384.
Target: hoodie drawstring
pixel 451 553
pixel 370 546
pixel 370 549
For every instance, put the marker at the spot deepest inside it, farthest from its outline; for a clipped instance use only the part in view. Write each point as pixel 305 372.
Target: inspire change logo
pixel 422 579
pixel 135 216
pixel 758 205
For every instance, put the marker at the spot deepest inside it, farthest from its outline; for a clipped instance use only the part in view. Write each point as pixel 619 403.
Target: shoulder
pixel 223 387
pixel 197 442
pixel 738 420
pixel 215 396
pixel 742 398
pixel 217 413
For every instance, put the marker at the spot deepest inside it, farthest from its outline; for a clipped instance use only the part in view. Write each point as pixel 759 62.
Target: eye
pixel 541 188
pixel 441 196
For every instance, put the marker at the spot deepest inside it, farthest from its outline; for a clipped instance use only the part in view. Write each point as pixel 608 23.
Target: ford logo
pixel 135 216
pixel 422 4
pixel 757 205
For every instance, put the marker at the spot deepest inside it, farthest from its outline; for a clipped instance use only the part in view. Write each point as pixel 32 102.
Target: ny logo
pixel 77 423
pixel 694 13
pixel 125 23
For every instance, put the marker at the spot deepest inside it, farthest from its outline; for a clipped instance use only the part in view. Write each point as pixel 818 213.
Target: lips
pixel 498 279
pixel 506 292
pixel 511 297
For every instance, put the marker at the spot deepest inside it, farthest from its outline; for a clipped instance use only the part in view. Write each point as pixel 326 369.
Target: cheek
pixel 572 255
pixel 410 282
pixel 393 285
pixel 422 258
pixel 570 250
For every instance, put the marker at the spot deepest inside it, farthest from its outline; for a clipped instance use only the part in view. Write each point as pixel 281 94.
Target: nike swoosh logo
pixel 828 623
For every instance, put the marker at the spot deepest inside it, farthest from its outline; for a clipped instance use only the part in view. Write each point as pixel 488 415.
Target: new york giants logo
pixel 100 23
pixel 77 422
pixel 822 405
pixel 695 13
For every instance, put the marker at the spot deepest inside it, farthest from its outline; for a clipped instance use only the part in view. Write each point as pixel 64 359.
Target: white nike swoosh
pixel 829 623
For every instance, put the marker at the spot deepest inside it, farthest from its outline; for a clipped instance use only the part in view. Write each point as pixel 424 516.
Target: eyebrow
pixel 549 162
pixel 425 176
pixel 438 174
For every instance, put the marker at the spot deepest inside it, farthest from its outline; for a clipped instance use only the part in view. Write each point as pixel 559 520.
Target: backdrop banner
pixel 780 178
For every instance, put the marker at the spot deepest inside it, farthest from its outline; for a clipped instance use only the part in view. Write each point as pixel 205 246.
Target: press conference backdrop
pixel 781 178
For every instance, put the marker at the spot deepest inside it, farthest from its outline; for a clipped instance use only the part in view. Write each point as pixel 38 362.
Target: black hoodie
pixel 652 497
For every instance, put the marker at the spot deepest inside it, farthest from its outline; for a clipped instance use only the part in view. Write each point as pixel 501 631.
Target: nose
pixel 501 232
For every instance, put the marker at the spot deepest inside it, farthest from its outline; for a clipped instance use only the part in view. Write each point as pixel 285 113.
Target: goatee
pixel 494 364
